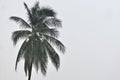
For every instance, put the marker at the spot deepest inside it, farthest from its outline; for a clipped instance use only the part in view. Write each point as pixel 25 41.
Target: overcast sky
pixel 91 33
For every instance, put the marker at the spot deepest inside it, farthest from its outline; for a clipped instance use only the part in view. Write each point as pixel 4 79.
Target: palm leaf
pixel 56 42
pixel 43 59
pixel 46 12
pixel 21 52
pixel 26 66
pixel 50 32
pixel 40 56
pixel 22 22
pixel 54 22
pixel 28 57
pixel 36 6
pixel 20 34
pixel 36 55
pixel 28 11
pixel 39 26
pixel 53 55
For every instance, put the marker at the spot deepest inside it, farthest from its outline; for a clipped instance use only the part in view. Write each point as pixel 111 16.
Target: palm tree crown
pixel 39 40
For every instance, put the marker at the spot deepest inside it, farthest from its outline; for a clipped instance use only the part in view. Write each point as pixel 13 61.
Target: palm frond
pixel 56 42
pixel 20 34
pixel 39 26
pixel 37 56
pixel 53 55
pixel 36 6
pixel 43 58
pixel 28 57
pixel 36 63
pixel 28 11
pixel 43 68
pixel 54 22
pixel 50 32
pixel 21 52
pixel 30 71
pixel 34 13
pixel 46 12
pixel 26 66
pixel 40 56
pixel 22 22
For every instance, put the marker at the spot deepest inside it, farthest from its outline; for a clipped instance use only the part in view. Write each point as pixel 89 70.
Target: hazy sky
pixel 91 33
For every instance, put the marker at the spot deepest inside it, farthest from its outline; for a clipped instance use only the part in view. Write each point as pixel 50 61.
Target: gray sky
pixel 91 33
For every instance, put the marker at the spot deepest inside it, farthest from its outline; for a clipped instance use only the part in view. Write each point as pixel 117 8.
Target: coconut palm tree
pixel 40 39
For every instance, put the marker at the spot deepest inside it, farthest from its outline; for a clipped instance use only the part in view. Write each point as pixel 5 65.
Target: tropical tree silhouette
pixel 40 39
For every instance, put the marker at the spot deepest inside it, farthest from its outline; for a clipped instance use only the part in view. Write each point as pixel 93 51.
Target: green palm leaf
pixel 26 66
pixel 22 22
pixel 28 56
pixel 56 42
pixel 28 11
pixel 46 12
pixel 53 55
pixel 19 35
pixel 21 52
pixel 53 22
pixel 50 32
pixel 40 55
pixel 43 59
